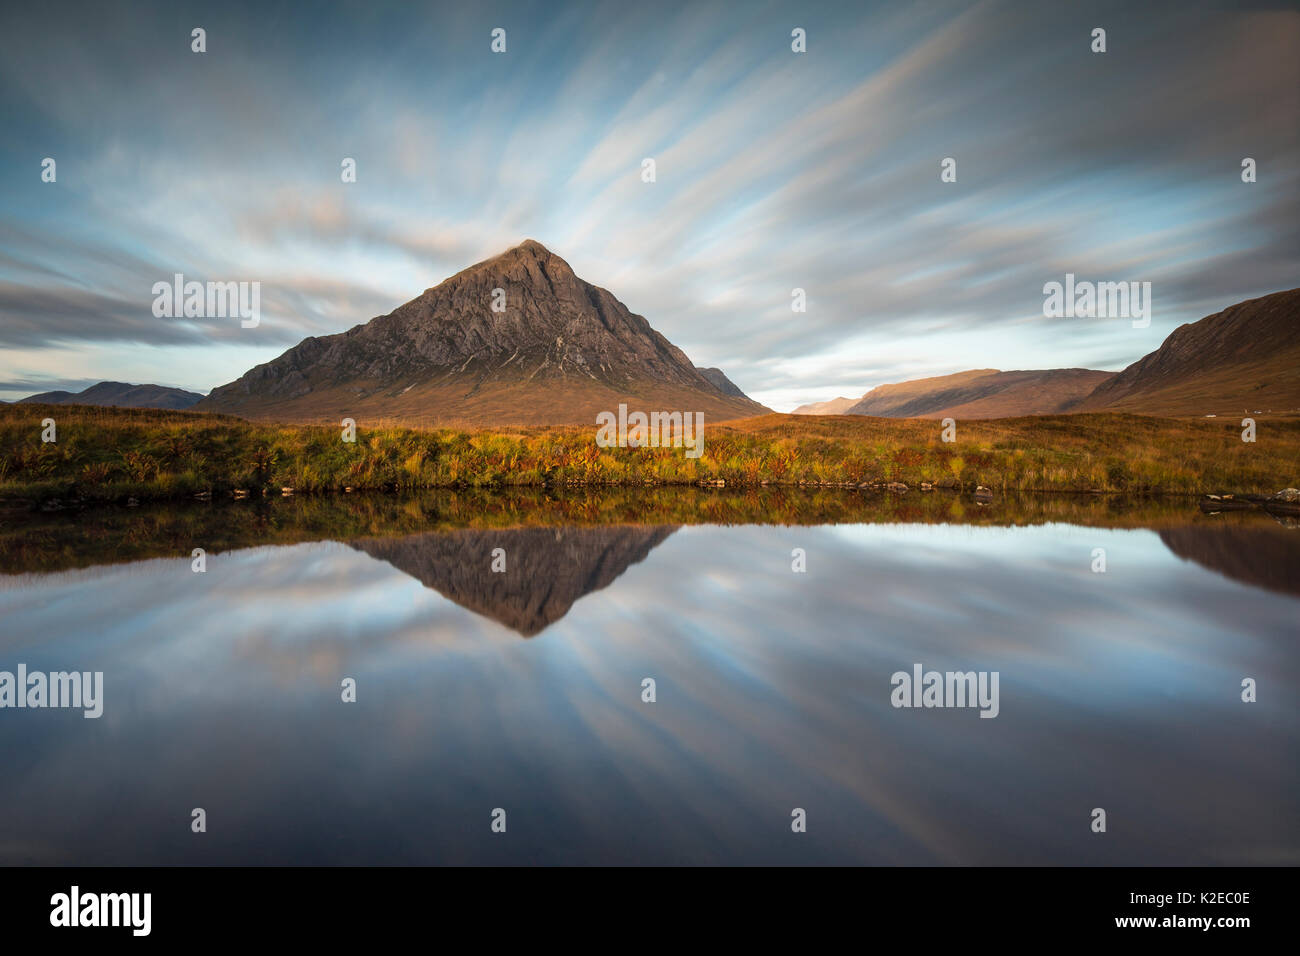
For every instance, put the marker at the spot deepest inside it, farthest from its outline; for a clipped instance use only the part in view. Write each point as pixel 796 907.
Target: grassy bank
pixel 105 454
pixel 36 541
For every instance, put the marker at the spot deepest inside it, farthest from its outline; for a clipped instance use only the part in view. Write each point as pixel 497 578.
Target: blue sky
pixel 775 170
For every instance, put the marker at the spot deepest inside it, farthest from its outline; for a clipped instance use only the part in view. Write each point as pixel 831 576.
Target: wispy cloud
pixel 775 170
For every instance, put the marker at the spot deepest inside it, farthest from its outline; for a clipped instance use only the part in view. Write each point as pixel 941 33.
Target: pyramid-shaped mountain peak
pixel 515 339
pixel 528 251
pixel 529 248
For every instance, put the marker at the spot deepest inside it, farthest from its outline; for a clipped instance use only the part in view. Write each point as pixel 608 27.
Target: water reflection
pixel 1264 553
pixel 547 570
pixel 525 578
pixel 1119 690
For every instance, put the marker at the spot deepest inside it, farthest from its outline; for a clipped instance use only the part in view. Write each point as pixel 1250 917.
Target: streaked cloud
pixel 775 171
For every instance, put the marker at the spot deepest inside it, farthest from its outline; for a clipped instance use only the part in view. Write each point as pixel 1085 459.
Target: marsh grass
pixel 112 454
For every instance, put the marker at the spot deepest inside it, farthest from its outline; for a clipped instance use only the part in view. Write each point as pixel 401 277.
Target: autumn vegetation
pixel 114 454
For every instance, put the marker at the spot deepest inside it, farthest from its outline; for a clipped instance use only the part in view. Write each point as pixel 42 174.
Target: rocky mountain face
pixel 121 394
pixel 516 339
pixel 1245 358
pixel 982 393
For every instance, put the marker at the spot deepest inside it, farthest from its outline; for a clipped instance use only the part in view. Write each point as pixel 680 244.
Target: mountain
pixel 547 569
pixel 1243 359
pixel 120 394
pixel 982 393
pixel 1246 357
pixel 562 351
pixel 723 384
pixel 836 406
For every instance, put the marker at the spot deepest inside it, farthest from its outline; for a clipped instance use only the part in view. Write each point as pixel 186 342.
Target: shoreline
pixel 111 534
pixel 1207 501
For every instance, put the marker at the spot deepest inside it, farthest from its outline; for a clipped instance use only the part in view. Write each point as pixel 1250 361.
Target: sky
pixel 774 170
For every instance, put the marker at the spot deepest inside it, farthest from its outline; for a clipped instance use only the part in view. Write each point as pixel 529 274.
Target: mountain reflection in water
pixel 544 569
pixel 222 689
pixel 549 569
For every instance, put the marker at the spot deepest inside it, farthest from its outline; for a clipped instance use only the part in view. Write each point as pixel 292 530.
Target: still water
pixel 523 690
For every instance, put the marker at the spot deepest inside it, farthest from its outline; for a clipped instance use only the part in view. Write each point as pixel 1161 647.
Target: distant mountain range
pixel 1245 358
pixel 982 393
pixel 120 394
pixel 563 350
pixel 558 351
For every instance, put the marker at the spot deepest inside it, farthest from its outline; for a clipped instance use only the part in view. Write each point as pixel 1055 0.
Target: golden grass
pixel 115 453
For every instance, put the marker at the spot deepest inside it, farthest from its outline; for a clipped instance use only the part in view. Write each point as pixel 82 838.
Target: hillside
pixel 836 406
pixel 1243 359
pixel 723 384
pixel 982 393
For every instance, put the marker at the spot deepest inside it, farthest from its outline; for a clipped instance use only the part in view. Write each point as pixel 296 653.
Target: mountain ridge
pixel 120 395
